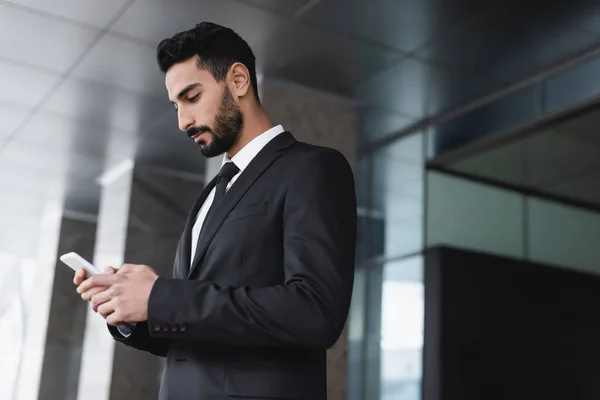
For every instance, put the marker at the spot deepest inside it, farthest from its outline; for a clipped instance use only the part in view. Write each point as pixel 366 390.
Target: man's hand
pixel 123 296
pixel 80 277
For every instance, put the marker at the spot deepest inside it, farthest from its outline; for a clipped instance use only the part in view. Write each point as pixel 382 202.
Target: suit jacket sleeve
pixel 310 308
pixel 140 339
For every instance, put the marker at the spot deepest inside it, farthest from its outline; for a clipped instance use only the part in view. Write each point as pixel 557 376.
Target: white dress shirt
pixel 241 160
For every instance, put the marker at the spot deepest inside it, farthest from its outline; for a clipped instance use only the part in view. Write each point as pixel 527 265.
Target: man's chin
pixel 209 151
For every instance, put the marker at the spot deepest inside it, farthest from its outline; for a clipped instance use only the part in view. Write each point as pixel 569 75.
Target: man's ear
pixel 240 78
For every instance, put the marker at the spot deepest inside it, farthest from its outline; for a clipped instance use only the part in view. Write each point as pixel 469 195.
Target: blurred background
pixel 472 127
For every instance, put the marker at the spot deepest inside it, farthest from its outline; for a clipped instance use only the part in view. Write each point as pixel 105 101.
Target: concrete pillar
pixel 67 316
pixel 142 214
pixel 159 205
pixel 323 119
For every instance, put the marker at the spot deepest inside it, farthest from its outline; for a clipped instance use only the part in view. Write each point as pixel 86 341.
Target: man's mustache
pixel 198 129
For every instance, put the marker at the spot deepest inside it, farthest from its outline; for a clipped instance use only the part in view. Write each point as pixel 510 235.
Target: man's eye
pixel 194 98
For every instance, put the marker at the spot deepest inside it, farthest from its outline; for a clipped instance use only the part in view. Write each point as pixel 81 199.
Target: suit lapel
pixel 184 248
pixel 253 171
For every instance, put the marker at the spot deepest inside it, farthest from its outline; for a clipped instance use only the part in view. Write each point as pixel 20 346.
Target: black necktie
pixel 228 171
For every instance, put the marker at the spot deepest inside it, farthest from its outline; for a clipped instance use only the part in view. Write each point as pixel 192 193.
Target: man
pixel 263 273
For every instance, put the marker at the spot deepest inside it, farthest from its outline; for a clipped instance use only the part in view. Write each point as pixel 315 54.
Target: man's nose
pixel 185 122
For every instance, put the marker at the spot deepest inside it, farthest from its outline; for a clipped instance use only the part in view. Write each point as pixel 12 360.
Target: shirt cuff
pixel 126 329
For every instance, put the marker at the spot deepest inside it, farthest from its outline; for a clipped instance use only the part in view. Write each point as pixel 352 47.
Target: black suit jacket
pixel 269 289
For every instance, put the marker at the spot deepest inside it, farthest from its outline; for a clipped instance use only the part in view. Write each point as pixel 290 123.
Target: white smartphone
pixel 76 262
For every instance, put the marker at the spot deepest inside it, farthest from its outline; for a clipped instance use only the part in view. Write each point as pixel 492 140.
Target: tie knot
pixel 228 171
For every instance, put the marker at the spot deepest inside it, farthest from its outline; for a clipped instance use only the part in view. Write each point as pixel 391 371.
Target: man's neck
pixel 255 124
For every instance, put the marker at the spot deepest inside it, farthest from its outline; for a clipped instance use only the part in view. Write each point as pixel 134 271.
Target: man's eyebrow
pixel 186 90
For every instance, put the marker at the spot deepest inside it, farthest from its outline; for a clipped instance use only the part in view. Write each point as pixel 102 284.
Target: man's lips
pixel 196 137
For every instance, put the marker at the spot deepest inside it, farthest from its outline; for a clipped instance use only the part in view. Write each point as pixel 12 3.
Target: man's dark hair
pixel 216 47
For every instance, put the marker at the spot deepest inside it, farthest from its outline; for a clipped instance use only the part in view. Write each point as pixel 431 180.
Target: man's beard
pixel 228 126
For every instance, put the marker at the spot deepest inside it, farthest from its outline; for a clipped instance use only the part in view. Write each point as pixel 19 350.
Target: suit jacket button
pixel 156 327
pixel 165 328
pixel 174 328
pixel 182 327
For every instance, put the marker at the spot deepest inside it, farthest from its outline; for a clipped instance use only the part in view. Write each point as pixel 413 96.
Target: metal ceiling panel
pixel 154 20
pixel 537 38
pixel 43 42
pixel 537 161
pixel 589 21
pixel 552 156
pixel 374 123
pixel 23 85
pixel 583 187
pixel 285 7
pixel 123 63
pixel 404 25
pixel 92 12
pixel 420 89
pixel 324 60
pixel 61 136
pixel 505 164
pixel 406 88
pixel 11 117
pixel 105 105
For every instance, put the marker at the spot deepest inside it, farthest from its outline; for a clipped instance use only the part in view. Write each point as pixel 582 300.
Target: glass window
pixel 508 112
pixel 397 191
pixel 573 86
pixel 356 337
pixel 394 330
pixel 475 216
pixel 402 316
pixel 552 229
pixel 376 123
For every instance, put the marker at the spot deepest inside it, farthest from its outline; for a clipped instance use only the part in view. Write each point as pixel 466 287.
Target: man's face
pixel 206 110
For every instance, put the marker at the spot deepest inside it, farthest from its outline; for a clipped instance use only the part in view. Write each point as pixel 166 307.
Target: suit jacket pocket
pixel 265 383
pixel 247 211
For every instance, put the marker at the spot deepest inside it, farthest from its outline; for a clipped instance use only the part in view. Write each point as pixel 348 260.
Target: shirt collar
pixel 249 151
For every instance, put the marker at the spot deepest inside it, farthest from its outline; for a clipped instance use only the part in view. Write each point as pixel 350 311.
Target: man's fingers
pixel 115 319
pixel 111 313
pixel 106 309
pixel 87 295
pixel 79 277
pixel 100 298
pixel 110 270
pixel 98 280
pixel 126 268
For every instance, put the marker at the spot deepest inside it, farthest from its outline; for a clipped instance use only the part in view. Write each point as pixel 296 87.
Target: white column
pixel 98 345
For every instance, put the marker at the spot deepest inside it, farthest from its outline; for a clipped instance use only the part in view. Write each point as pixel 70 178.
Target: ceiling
pixel 559 159
pixel 80 91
